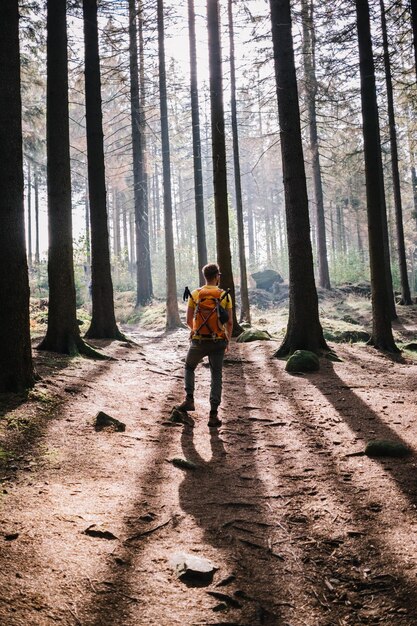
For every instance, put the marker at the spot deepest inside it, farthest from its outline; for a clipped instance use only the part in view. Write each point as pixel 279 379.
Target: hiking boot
pixel 187 405
pixel 214 421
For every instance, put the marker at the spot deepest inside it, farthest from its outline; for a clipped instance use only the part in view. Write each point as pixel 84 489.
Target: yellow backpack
pixel 209 315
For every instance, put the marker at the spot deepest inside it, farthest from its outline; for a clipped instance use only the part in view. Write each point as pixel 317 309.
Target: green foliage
pixel 346 268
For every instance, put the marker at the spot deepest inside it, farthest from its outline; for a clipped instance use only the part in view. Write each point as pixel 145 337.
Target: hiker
pixel 209 316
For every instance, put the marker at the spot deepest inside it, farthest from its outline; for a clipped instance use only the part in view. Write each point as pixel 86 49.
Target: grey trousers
pixel 215 352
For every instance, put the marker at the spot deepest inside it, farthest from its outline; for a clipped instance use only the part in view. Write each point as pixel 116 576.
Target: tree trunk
pixel 304 330
pixel 103 322
pixel 143 295
pixel 142 122
pixel 244 294
pixel 16 369
pixel 219 155
pixel 36 191
pixel 63 334
pixel 402 259
pixel 29 204
pixel 413 5
pixel 381 319
pixel 311 93
pixel 173 317
pixel 198 168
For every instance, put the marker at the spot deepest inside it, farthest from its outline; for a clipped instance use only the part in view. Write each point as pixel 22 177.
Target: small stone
pixel 193 568
pixel 11 536
pixel 96 531
pixel 106 421
pixel 183 464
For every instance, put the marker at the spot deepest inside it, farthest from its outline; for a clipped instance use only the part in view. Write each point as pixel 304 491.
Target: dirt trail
pixel 303 531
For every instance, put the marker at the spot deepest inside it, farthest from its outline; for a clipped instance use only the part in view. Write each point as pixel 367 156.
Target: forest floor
pixel 303 528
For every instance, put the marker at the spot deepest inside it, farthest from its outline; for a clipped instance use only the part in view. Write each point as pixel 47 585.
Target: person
pixel 209 337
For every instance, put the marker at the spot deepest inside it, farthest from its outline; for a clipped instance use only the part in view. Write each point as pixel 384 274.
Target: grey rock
pixel 193 568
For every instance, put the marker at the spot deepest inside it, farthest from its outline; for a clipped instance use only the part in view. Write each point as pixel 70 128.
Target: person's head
pixel 211 273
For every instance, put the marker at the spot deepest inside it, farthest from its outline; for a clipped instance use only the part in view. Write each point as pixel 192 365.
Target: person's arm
pixel 229 325
pixel 190 317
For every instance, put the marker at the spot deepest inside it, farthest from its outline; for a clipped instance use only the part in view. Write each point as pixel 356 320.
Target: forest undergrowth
pixel 301 527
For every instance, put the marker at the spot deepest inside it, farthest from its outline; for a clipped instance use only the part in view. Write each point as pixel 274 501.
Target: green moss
pixel 253 334
pixel 303 361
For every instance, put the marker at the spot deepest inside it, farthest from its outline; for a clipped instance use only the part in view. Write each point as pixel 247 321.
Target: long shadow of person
pixel 212 496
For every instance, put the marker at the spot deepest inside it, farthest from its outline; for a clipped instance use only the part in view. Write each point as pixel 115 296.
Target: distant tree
pixel 405 288
pixel 309 60
pixel 381 311
pixel 63 334
pixel 218 144
pixel 143 278
pixel 16 369
pixel 103 322
pixel 413 6
pixel 244 294
pixel 173 317
pixel 198 167
pixel 304 330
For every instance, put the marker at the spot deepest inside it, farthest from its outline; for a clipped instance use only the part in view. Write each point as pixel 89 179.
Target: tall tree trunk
pixel 36 192
pixel 413 5
pixel 103 321
pixel 142 121
pixel 29 205
pixel 244 294
pixel 143 295
pixel 402 259
pixel 16 369
pixel 63 334
pixel 381 319
pixel 87 229
pixel 311 92
pixel 219 154
pixel 173 317
pixel 198 168
pixel 304 330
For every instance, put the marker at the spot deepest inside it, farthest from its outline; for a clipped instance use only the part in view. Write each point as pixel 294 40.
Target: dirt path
pixel 303 532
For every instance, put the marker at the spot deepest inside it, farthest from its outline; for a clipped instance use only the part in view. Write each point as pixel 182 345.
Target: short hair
pixel 210 271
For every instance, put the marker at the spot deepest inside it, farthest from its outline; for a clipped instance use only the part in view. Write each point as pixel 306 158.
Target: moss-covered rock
pixel 347 336
pixel 253 334
pixel 410 346
pixel 384 447
pixel 303 361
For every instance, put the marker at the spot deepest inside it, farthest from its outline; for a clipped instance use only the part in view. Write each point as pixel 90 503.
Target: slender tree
pixel 143 125
pixel 173 317
pixel 103 322
pixel 29 205
pixel 381 312
pixel 244 293
pixel 143 282
pixel 198 167
pixel 304 330
pixel 16 369
pixel 309 59
pixel 63 334
pixel 36 191
pixel 413 6
pixel 218 144
pixel 405 288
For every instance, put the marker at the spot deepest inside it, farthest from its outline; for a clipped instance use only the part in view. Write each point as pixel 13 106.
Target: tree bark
pixel 16 369
pixel 381 314
pixel 144 293
pixel 103 322
pixel 304 330
pixel 173 317
pixel 311 92
pixel 198 168
pixel 29 205
pixel 244 293
pixel 63 334
pixel 36 191
pixel 402 259
pixel 218 143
